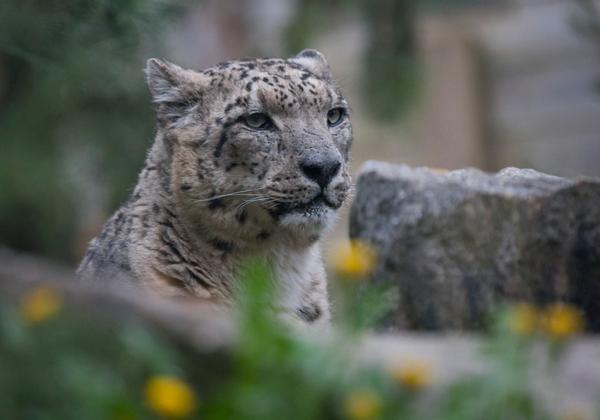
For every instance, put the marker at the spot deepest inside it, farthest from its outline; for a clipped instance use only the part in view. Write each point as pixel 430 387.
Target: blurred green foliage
pixel 77 365
pixel 391 80
pixel 278 374
pixel 75 117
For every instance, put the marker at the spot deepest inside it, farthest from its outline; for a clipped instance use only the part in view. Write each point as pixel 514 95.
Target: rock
pixel 204 326
pixel 459 243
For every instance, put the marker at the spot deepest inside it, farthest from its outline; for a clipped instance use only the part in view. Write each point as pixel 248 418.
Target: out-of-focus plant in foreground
pixel 354 260
pixel 40 304
pixel 170 397
pixel 78 366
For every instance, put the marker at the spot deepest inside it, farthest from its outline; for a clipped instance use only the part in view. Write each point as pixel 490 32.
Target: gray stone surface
pixel 458 243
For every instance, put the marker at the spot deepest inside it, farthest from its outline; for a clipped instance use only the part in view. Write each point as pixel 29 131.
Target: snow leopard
pixel 250 159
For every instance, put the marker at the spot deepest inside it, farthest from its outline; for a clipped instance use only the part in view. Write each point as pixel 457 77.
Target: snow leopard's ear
pixel 315 62
pixel 173 88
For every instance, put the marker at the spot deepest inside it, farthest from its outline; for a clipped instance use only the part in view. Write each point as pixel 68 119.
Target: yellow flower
pixel 170 397
pixel 40 304
pixel 524 319
pixel 413 375
pixel 354 260
pixel 561 321
pixel 362 405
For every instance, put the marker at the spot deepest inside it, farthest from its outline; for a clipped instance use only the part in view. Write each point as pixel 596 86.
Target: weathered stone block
pixel 458 243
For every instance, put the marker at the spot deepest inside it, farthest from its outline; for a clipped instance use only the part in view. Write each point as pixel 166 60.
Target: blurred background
pixel 447 83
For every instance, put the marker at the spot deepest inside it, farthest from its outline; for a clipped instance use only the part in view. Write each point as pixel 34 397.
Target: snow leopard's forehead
pixel 273 84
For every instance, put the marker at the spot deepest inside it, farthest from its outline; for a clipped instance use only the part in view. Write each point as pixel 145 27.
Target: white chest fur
pixel 300 278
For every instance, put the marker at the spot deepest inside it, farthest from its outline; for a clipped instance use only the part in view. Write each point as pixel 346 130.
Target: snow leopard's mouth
pixel 314 207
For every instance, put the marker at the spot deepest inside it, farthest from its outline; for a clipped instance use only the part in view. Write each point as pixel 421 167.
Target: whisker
pixel 226 195
pixel 251 200
pixel 241 193
pixel 245 203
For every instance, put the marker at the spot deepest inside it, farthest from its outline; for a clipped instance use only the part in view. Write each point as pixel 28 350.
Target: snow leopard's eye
pixel 335 116
pixel 258 121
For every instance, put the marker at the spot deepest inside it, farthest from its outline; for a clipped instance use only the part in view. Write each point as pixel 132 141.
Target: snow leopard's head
pixel 255 146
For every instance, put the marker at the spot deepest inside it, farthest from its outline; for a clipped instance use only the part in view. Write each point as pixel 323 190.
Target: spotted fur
pixel 215 190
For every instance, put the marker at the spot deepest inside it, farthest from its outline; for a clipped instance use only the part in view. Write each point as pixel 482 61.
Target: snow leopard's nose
pixel 321 169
